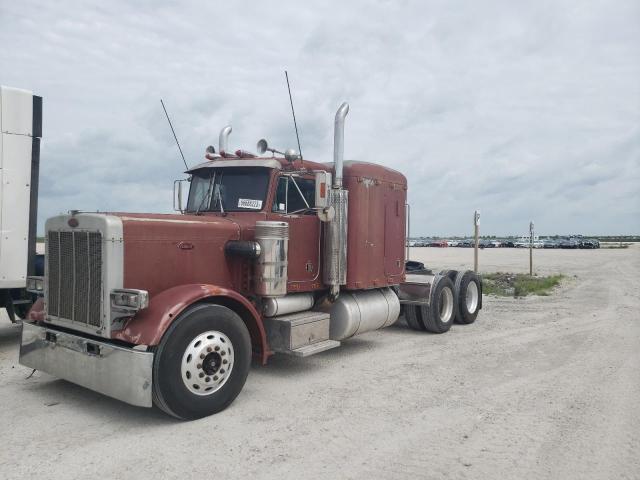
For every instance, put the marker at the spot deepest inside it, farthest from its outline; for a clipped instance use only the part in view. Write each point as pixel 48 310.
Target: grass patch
pixel 518 284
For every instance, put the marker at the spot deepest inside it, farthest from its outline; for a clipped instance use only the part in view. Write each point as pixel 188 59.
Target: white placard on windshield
pixel 249 203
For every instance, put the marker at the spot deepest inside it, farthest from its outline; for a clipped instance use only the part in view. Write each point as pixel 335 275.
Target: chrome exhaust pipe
pixel 335 237
pixel 338 144
pixel 223 140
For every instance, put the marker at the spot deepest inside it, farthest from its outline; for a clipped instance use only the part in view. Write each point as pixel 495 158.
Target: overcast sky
pixel 525 110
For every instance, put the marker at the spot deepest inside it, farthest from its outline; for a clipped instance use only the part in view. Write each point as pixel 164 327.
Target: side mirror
pixel 323 184
pixel 177 195
pixel 325 210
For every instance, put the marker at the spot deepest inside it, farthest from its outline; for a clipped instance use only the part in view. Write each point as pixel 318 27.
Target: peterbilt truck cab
pixel 270 254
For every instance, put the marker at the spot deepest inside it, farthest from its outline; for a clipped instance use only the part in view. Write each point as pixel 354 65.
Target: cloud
pixel 526 110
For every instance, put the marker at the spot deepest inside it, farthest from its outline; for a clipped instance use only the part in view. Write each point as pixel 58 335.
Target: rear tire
pixel 469 293
pixel 201 363
pixel 411 317
pixel 438 316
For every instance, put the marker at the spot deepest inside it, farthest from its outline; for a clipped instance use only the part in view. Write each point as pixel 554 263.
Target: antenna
pixel 294 114
pixel 174 134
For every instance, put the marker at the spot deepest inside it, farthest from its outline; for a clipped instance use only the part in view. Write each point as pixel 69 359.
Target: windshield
pixel 228 189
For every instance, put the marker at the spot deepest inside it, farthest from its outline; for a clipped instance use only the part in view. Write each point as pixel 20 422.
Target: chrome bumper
pixel 118 372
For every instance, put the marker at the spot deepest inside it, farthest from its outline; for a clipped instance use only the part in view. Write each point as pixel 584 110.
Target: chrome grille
pixel 74 276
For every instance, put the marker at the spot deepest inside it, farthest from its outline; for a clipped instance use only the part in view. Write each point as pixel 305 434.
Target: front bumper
pixel 118 372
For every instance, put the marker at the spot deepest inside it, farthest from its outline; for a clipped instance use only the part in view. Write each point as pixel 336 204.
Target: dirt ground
pixel 544 387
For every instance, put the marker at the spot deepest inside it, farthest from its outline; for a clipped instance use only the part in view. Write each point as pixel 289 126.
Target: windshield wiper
pixel 208 194
pixel 220 200
pixel 218 193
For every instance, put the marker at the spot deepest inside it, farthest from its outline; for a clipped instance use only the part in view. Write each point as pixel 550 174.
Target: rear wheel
pixel 411 317
pixel 202 362
pixel 438 316
pixel 469 297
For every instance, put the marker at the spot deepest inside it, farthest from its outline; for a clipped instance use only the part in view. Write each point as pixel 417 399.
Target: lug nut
pixel 223 353
pixel 217 348
pixel 201 375
pixel 207 379
pixel 208 349
pixel 215 377
pixel 199 365
pixel 222 370
pixel 225 361
pixel 202 355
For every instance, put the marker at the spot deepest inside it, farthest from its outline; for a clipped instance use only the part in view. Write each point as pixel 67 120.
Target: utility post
pixel 531 249
pixel 476 235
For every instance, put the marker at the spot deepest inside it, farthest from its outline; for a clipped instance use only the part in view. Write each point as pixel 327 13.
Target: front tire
pixel 201 363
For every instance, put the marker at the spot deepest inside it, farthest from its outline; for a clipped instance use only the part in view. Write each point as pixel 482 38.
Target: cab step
pixel 314 348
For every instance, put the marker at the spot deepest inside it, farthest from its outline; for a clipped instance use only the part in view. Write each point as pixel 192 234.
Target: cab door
pixel 293 203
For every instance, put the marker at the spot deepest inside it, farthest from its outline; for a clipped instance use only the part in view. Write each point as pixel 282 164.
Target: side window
pixel 291 194
pixel 307 188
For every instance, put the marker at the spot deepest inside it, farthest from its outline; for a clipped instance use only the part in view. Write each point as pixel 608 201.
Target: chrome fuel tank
pixel 295 302
pixel 362 311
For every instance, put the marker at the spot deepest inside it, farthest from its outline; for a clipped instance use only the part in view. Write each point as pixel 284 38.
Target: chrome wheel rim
pixel 207 363
pixel 471 298
pixel 446 305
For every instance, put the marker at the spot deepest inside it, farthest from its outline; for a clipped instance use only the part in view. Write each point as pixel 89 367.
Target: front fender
pixel 149 325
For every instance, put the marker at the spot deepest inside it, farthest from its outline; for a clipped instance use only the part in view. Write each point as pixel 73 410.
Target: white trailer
pixel 21 130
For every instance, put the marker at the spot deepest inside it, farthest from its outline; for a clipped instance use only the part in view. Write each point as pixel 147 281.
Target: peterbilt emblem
pixel 72 222
pixel 185 246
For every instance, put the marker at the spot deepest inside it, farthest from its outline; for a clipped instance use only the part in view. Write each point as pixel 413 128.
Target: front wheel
pixel 201 363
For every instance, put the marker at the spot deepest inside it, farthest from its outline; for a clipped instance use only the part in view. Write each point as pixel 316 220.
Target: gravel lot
pixel 544 387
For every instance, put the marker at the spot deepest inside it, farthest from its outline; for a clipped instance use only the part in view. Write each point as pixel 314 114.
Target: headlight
pixel 35 285
pixel 129 299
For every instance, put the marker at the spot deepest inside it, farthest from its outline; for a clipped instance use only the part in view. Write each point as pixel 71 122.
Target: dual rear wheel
pixel 456 300
pixel 469 292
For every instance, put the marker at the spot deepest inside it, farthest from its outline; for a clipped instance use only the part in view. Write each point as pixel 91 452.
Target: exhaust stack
pixel 223 141
pixel 335 245
pixel 338 144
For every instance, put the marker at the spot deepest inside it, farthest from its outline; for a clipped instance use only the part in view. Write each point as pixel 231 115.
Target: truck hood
pixel 164 250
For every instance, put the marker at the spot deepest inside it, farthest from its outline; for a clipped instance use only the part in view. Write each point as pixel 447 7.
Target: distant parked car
pixel 569 243
pixel 508 243
pixel 548 243
pixel 588 243
pixel 486 244
pixel 438 243
pixel 453 243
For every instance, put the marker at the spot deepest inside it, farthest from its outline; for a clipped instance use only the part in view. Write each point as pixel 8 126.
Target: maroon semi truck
pixel 270 254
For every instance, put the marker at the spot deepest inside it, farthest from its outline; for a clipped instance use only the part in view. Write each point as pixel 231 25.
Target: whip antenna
pixel 294 114
pixel 174 134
